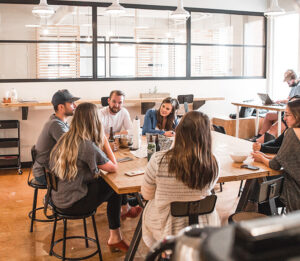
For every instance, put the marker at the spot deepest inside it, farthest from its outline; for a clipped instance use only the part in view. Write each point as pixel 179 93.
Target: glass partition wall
pixel 85 43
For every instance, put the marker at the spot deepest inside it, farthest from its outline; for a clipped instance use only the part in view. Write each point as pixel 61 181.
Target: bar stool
pixel 32 183
pixel 268 192
pixel 59 215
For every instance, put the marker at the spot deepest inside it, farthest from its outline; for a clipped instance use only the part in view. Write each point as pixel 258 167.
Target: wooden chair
pixel 32 183
pixel 59 215
pixel 193 209
pixel 269 191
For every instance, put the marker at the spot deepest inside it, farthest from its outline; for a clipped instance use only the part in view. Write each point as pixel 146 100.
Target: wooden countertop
pixel 259 106
pixel 127 101
pixel 222 146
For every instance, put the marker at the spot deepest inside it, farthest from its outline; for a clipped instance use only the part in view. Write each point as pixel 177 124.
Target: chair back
pixel 33 153
pixel 33 156
pixel 270 189
pixel 104 101
pixel 51 185
pixel 193 209
pixel 185 99
pixel 145 106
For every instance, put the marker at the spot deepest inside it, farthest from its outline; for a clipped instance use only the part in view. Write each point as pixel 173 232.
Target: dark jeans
pixel 131 200
pixel 98 192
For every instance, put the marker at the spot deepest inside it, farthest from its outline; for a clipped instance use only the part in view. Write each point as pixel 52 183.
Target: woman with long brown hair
pixel 164 120
pixel 288 158
pixel 186 172
pixel 76 159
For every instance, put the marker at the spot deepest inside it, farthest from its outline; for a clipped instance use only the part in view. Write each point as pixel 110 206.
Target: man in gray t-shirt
pixel 55 127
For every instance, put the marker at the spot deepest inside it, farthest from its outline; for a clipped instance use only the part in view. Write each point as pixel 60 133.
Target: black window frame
pixel 95 42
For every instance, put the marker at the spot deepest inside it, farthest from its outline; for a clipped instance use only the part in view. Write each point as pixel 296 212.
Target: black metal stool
pixel 59 215
pixel 36 186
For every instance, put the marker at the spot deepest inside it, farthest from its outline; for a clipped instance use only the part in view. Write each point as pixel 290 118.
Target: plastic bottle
pixel 136 138
pixel 14 95
pixel 151 149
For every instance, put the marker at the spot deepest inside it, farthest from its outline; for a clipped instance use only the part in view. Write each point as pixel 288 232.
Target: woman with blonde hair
pixel 77 158
pixel 186 172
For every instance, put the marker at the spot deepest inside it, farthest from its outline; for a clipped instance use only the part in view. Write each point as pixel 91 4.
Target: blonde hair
pixel 191 159
pixel 85 125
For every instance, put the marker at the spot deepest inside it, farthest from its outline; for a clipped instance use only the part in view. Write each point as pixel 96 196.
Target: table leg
pixel 245 195
pixel 237 121
pixel 279 122
pixel 257 122
pixel 135 241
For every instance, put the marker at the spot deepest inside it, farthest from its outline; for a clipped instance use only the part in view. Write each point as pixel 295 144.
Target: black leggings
pixel 98 192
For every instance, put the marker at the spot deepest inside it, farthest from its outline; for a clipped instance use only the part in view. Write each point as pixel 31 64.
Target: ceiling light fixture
pixel 43 10
pixel 180 12
pixel 115 8
pixel 274 9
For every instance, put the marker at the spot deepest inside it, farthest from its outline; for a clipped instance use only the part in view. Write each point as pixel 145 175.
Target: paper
pixel 141 152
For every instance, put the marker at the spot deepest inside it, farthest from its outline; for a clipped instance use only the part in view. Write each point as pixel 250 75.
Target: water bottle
pixel 14 95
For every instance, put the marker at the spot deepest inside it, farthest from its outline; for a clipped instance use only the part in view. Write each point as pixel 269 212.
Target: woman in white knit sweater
pixel 187 172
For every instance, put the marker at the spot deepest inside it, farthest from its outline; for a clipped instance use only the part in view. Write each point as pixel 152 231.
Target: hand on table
pixel 256 146
pixel 169 133
pixel 258 156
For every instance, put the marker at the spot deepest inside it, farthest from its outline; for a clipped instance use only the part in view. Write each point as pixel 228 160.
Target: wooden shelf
pixel 25 105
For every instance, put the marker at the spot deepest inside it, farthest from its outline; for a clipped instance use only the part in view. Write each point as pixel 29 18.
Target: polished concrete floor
pixel 17 243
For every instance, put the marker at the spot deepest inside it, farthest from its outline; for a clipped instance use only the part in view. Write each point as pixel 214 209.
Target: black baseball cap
pixel 63 96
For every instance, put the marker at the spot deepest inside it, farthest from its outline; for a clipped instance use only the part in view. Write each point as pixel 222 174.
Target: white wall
pixel 232 90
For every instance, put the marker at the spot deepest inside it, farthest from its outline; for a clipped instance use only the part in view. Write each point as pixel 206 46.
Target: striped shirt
pixel 162 188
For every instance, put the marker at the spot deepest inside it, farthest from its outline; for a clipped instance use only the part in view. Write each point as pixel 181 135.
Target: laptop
pixel 266 100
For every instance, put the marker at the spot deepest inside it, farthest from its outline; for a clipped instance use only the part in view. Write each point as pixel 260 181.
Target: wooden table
pixel 198 102
pixel 278 109
pixel 230 171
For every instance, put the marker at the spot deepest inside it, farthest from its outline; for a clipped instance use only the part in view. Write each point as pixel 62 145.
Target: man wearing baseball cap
pixel 55 127
pixel 269 127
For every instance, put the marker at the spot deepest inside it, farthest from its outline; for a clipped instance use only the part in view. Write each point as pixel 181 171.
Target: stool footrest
pixel 74 258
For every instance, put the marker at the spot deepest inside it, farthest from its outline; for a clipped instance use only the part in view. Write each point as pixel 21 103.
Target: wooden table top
pixel 222 146
pixel 259 106
pixel 127 101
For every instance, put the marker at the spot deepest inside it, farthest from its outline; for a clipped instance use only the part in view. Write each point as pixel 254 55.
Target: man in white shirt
pixel 114 115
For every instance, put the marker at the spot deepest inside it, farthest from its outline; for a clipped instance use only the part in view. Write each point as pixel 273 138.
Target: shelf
pixel 9 161
pixel 9 143
pixel 9 124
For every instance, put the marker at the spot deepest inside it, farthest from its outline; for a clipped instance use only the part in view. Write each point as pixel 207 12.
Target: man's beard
pixel 69 113
pixel 114 110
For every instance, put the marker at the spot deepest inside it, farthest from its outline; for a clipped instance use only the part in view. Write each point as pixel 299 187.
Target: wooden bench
pixel 246 129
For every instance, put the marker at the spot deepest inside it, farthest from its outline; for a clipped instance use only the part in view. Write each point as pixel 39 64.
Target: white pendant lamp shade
pixel 115 8
pixel 43 10
pixel 274 9
pixel 180 12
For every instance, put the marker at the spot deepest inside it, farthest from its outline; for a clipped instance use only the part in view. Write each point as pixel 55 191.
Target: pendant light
pixel 274 9
pixel 115 8
pixel 43 10
pixel 180 12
